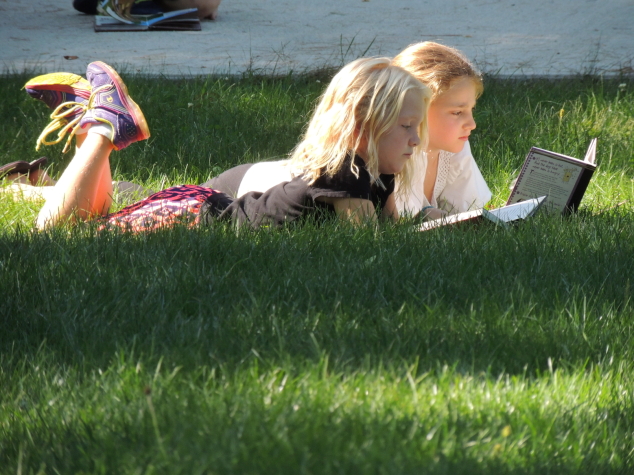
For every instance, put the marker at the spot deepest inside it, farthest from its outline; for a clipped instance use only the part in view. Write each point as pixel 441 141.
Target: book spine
pixel 529 157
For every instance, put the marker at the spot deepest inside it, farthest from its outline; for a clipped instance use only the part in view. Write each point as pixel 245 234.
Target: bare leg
pixel 79 140
pixel 22 191
pixel 103 197
pixel 21 187
pixel 85 188
pixel 16 178
pixel 34 186
pixel 104 190
pixel 39 186
pixel 80 193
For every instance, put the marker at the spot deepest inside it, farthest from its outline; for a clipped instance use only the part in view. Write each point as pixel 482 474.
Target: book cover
pixel 561 178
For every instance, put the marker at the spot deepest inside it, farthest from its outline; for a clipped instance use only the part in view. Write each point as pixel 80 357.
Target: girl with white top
pixel 449 180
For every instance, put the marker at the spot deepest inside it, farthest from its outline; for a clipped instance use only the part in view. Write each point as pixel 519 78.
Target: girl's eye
pixel 457 113
pixel 407 127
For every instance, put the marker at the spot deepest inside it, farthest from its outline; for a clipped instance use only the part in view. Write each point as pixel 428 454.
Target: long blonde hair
pixel 438 66
pixel 361 103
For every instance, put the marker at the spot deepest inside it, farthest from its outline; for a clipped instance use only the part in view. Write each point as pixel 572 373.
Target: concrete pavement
pixel 533 38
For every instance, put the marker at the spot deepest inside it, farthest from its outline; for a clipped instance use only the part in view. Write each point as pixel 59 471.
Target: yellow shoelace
pixel 60 121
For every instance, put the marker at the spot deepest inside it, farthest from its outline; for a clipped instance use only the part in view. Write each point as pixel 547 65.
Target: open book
pixel 556 181
pixel 502 216
pixel 116 15
pixel 563 179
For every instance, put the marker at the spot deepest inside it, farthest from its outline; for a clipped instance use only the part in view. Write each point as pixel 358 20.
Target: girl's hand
pixel 353 209
pixel 433 213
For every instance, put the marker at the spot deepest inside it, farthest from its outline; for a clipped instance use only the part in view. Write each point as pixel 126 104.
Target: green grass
pixel 328 349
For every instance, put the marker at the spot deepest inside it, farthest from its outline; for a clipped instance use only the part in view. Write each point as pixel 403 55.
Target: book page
pixel 451 219
pixel 518 211
pixel 543 174
pixel 591 154
pixel 105 20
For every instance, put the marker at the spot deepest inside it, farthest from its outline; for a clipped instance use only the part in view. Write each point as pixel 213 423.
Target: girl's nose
pixel 471 124
pixel 415 140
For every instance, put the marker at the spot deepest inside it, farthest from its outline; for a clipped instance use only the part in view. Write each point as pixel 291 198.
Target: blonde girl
pixel 449 180
pixel 365 131
pixel 363 134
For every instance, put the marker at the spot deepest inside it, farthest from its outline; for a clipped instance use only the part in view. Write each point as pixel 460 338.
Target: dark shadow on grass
pixel 478 299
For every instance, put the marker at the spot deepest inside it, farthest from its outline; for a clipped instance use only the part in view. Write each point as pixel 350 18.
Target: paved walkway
pixel 535 37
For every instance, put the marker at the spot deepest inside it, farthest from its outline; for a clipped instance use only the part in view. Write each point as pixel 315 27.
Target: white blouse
pixel 459 185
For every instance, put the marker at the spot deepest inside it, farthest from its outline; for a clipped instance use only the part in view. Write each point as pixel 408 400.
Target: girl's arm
pixel 389 211
pixel 359 210
pixel 356 210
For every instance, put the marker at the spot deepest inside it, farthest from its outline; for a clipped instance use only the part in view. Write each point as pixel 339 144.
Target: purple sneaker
pixel 111 104
pixel 67 95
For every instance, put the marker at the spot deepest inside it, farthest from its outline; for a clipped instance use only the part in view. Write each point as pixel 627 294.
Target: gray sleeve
pixel 281 204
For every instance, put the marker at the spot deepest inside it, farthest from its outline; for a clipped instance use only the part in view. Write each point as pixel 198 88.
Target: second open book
pixel 117 15
pixel 550 180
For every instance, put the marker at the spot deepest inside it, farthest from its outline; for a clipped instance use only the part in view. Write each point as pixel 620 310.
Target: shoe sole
pixel 61 82
pixel 131 106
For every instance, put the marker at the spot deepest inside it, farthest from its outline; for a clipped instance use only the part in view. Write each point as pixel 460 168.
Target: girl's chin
pixel 456 149
pixel 391 170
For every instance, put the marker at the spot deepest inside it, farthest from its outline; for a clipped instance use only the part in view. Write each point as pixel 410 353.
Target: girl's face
pixel 396 146
pixel 451 117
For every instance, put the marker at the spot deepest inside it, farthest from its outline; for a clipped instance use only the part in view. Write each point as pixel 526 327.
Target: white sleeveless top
pixel 459 185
